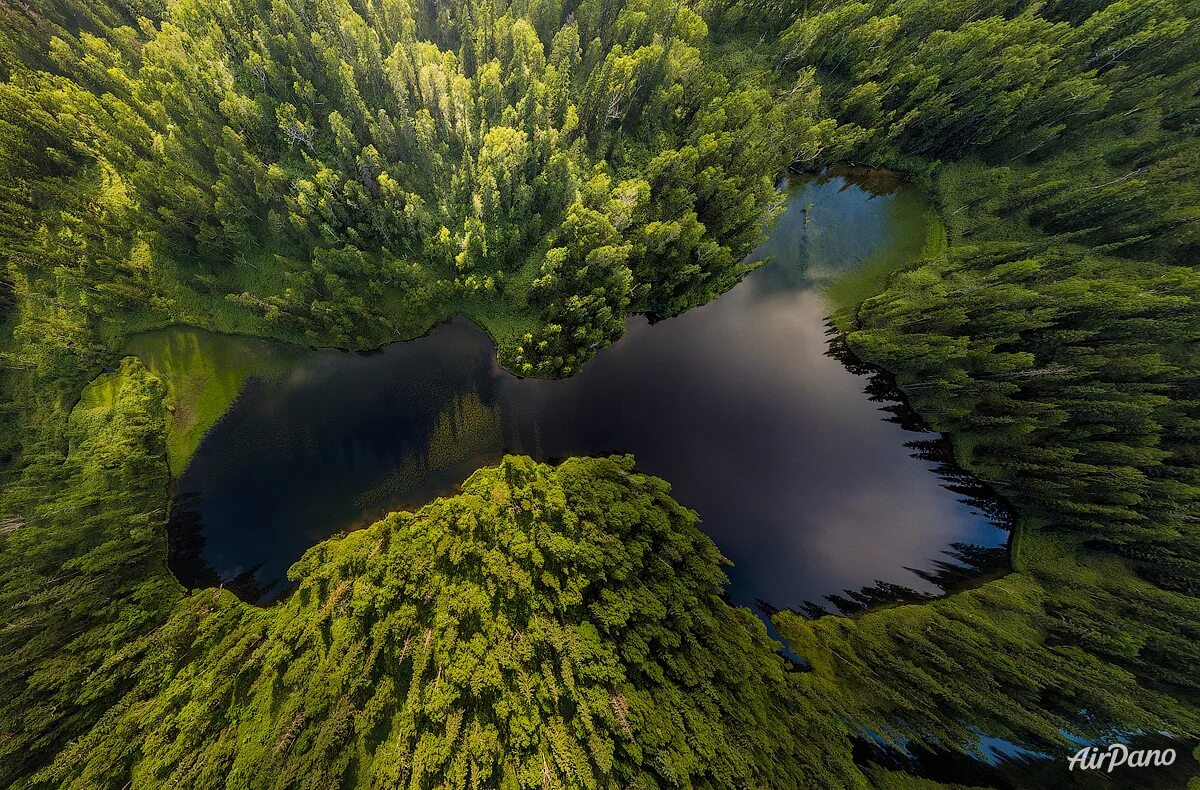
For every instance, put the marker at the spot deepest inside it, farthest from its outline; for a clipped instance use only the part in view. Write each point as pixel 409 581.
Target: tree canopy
pixel 342 172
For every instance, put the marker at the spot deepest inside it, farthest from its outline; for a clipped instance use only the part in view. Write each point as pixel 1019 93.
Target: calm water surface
pixel 797 462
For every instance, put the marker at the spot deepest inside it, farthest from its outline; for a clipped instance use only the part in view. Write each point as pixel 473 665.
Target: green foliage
pixel 82 566
pixel 1054 341
pixel 544 628
pixel 348 173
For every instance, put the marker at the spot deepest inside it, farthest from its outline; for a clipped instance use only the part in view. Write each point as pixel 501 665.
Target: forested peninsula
pixel 351 172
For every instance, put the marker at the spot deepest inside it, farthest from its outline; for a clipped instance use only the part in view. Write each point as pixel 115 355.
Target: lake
pixel 807 470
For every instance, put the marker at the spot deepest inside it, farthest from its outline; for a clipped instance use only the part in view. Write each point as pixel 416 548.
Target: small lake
pixel 807 471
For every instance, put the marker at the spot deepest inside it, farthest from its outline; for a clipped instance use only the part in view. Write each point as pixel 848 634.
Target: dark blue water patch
pixel 807 471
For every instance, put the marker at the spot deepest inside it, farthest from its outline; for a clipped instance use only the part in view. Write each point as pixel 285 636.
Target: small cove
pixel 807 470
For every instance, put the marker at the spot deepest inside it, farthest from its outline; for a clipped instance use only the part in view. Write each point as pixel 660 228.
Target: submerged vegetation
pixel 343 173
pixel 203 375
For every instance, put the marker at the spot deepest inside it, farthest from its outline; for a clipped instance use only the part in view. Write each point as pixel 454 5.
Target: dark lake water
pixel 805 470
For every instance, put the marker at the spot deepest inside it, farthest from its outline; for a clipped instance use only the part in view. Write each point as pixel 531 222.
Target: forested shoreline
pixel 348 173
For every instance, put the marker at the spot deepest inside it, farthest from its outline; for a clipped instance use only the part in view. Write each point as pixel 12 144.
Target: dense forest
pixel 347 172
